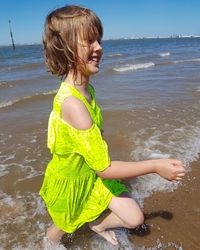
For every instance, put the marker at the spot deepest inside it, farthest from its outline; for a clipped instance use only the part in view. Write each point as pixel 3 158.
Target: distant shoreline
pixel 122 38
pixel 153 37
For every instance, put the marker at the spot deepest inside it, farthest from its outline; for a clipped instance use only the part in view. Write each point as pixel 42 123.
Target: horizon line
pixel 119 38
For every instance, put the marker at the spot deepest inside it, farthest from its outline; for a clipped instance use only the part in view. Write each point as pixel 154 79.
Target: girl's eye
pixel 91 41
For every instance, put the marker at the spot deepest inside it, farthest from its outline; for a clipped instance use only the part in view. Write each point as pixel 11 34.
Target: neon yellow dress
pixel 72 191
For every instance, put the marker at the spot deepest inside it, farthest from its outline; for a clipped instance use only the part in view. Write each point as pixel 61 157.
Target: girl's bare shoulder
pixel 75 113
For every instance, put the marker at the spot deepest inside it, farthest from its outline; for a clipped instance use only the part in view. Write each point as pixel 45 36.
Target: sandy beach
pixel 173 219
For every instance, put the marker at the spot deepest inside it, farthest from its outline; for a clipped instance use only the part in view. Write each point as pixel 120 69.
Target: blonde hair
pixel 60 38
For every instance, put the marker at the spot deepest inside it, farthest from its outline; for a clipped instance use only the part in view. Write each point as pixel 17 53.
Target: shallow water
pixel 150 97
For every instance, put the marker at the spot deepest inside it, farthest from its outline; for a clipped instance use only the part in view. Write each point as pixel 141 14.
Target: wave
pixel 24 66
pixel 4 84
pixel 24 98
pixel 187 60
pixel 116 55
pixel 198 89
pixel 5 69
pixel 183 143
pixel 178 61
pixel 165 54
pixel 31 65
pixel 130 67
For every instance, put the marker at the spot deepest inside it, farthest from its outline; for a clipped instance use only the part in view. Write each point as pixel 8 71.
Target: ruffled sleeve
pixel 64 139
pixel 90 144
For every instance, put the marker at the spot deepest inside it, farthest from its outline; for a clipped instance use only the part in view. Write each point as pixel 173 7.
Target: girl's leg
pixel 54 234
pixel 125 212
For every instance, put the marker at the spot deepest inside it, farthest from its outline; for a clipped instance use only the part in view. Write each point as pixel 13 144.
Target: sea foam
pixel 130 67
pixel 187 60
pixel 116 55
pixel 24 98
pixel 165 54
pixel 183 143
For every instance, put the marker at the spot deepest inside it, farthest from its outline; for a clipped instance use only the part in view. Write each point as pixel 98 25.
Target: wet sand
pixel 172 220
pixel 173 217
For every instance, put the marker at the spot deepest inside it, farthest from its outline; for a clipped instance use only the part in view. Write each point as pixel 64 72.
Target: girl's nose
pixel 97 45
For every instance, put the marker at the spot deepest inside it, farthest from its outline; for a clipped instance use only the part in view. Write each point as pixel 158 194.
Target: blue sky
pixel 127 18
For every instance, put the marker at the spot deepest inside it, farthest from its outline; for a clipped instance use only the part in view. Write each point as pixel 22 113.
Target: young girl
pixel 80 180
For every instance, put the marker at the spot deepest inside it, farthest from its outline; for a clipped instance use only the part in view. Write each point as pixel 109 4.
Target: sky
pixel 127 18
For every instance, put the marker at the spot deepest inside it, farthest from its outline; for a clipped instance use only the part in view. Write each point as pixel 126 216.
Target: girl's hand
pixel 170 169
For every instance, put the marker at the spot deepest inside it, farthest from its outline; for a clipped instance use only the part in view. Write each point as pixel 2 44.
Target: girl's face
pixel 89 54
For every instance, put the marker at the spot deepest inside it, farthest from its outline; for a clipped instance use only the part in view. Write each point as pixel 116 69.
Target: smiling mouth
pixel 95 59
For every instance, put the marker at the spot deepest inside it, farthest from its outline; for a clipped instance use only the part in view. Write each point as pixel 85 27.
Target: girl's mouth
pixel 94 59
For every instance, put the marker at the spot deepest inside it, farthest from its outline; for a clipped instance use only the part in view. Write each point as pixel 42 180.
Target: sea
pixel 149 92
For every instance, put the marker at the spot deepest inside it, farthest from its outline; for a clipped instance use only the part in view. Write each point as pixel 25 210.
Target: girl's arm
pixel 169 169
pixel 76 114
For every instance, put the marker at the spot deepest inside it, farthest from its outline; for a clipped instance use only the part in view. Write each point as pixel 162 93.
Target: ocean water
pixel 149 91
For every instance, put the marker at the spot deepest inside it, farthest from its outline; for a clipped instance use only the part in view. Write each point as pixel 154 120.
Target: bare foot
pixel 49 245
pixel 108 235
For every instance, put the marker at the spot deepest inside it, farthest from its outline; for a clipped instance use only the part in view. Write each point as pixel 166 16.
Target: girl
pixel 79 182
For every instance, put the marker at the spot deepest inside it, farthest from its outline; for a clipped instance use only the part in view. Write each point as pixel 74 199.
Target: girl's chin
pixel 89 71
pixel 93 69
